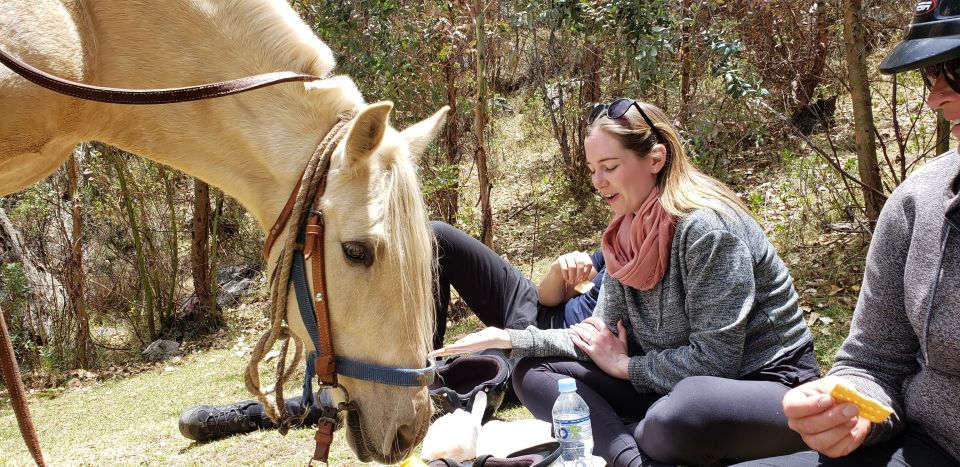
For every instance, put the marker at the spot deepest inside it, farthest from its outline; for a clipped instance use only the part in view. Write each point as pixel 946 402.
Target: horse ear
pixel 367 131
pixel 421 134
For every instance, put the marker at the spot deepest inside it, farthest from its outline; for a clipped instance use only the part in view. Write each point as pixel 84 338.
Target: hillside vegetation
pixel 760 90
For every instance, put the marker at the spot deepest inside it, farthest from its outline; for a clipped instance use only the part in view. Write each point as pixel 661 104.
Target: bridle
pixel 314 310
pixel 312 305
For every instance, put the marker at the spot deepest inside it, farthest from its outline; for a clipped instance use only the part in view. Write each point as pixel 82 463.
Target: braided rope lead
pixel 279 283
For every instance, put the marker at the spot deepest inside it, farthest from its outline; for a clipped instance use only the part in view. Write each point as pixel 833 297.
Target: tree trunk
pixel 46 291
pixel 685 65
pixel 943 133
pixel 479 128
pixel 592 62
pixel 449 196
pixel 215 226
pixel 862 110
pixel 198 251
pixel 174 248
pixel 820 36
pixel 76 282
pixel 146 315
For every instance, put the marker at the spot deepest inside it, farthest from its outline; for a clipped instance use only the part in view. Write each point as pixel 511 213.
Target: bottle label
pixel 575 428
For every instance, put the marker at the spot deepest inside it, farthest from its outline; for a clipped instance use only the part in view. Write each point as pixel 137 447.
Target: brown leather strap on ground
pixel 18 396
pixel 147 96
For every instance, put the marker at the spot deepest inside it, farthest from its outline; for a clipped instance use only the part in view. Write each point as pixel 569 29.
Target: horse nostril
pixel 406 436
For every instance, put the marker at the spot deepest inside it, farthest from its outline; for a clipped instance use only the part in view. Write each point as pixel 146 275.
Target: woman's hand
pixel 606 349
pixel 575 267
pixel 825 424
pixel 487 338
pixel 565 272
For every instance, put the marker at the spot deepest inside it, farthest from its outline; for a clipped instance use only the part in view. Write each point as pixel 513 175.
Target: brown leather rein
pixel 148 96
pixel 314 244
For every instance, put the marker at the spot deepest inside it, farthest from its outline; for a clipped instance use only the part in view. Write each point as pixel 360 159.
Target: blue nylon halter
pixel 409 377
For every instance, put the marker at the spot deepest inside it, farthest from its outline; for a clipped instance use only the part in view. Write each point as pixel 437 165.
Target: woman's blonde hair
pixel 683 187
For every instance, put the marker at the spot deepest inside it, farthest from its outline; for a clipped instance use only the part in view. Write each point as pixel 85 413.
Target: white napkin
pixel 502 438
pixel 454 435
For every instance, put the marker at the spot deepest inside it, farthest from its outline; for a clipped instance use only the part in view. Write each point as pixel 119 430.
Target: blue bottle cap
pixel 567 385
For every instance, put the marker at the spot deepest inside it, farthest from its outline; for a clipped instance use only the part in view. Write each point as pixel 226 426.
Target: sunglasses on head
pixel 618 109
pixel 950 70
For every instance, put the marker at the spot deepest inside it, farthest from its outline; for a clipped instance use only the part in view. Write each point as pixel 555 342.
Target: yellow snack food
pixel 413 461
pixel 584 286
pixel 870 408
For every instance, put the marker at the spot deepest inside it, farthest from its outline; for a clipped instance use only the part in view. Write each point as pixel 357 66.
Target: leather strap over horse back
pixel 148 96
pixel 18 398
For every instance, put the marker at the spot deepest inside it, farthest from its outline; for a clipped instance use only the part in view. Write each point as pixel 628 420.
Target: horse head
pixel 379 264
pixel 378 248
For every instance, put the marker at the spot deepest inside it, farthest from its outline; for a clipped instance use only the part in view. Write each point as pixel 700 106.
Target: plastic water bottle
pixel 571 426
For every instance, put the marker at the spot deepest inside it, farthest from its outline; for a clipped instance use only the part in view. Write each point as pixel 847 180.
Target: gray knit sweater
pixel 904 342
pixel 725 307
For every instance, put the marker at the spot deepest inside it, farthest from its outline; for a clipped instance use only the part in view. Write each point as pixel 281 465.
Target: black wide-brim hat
pixel 459 379
pixel 932 37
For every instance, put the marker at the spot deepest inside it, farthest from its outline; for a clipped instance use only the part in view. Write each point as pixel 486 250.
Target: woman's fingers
pixel 583 271
pixel 833 428
pixel 575 267
pixel 579 342
pixel 584 331
pixel 487 338
pixel 829 439
pixel 597 324
pixel 838 415
pixel 808 399
pixel 796 404
pixel 450 349
pixel 568 268
pixel 842 440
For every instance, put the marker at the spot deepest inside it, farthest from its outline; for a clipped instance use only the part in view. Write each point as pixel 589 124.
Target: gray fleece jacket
pixel 904 342
pixel 725 307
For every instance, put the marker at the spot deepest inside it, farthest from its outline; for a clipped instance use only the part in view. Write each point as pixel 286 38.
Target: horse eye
pixel 358 252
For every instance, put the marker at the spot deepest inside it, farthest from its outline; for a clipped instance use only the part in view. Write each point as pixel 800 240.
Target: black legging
pixel 703 420
pixel 497 292
pixel 912 447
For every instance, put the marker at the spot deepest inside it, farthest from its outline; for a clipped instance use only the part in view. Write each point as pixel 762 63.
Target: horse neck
pixel 253 146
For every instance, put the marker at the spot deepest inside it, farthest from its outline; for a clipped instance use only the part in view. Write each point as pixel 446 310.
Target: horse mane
pixel 405 208
pixel 275 34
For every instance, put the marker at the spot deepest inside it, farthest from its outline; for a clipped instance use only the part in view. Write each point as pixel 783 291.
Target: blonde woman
pixel 696 335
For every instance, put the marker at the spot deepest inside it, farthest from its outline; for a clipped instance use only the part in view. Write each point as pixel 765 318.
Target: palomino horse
pixel 254 147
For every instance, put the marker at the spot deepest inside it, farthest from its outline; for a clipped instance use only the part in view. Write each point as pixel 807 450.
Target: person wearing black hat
pixel 904 344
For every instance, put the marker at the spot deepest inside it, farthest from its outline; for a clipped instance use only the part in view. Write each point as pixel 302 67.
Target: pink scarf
pixel 636 247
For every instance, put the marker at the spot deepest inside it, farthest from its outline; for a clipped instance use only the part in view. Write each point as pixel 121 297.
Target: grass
pixel 133 419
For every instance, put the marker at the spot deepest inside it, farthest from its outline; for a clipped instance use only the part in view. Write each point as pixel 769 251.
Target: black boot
pixel 206 422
